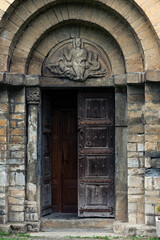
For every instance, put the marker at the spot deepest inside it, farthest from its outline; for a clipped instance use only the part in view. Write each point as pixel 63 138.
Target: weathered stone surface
pixel 18 228
pixel 153 76
pixel 16 216
pixel 136 78
pixel 32 80
pixel 14 79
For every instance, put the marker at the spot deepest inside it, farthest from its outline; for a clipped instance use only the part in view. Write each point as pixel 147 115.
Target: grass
pixel 116 237
pixel 22 236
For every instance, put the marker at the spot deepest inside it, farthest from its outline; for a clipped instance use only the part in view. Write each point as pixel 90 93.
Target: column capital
pixel 33 95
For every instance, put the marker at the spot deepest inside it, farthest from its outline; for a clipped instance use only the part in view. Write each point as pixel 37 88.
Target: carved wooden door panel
pixel 46 158
pixel 64 161
pixel 96 154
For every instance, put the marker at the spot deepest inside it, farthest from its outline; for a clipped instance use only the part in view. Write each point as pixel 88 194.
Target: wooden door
pixel 46 157
pixel 64 161
pixel 96 154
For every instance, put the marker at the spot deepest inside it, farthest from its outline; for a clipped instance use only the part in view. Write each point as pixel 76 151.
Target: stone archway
pixel 120 30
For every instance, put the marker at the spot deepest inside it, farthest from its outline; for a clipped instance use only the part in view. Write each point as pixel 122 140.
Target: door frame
pixel 120 149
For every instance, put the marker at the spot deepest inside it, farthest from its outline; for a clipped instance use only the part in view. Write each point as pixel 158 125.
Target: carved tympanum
pixel 77 60
pixel 33 95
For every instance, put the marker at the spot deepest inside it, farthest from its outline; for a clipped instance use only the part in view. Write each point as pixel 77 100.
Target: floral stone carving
pixel 33 95
pixel 77 60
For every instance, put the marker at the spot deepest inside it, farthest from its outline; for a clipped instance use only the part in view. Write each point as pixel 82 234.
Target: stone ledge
pixel 20 227
pixel 115 80
pixel 153 76
pixel 131 230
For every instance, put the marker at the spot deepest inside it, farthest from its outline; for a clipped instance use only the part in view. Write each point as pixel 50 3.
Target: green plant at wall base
pixel 158 207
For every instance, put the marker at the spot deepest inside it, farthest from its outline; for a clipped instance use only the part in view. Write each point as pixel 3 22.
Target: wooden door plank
pixel 96 154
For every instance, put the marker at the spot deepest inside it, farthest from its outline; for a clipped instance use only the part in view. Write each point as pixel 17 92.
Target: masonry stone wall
pixel 128 32
pixel 152 151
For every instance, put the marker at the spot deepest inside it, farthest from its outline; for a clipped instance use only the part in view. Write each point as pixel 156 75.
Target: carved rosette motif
pixel 77 60
pixel 33 95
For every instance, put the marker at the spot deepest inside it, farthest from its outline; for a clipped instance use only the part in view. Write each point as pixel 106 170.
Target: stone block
pixel 5 228
pixel 120 79
pixel 17 131
pixel 33 227
pixel 135 154
pixel 17 154
pixel 16 168
pixel 2 202
pixel 132 207
pixel 150 220
pixel 135 198
pixel 3 122
pixel 17 178
pixel 153 76
pixel 149 209
pixel 132 191
pixel 3 176
pixel 148 183
pixel 16 147
pixel 136 138
pixel 31 191
pixel 150 193
pixel 16 208
pixel 135 181
pixel 140 218
pixel 3 108
pixel 16 161
pixel 18 227
pixel 132 147
pixel 15 201
pixel 19 108
pixel 135 77
pixel 136 128
pixel 150 146
pixel 16 216
pixel 140 147
pixel 147 162
pixel 156 183
pixel 141 162
pixel 133 162
pixel 17 139
pixel 32 80
pixel 33 217
pixel 17 193
pixel 151 199
pixel 14 79
pixel 132 218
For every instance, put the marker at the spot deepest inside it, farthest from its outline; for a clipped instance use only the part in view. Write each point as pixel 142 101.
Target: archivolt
pixel 33 19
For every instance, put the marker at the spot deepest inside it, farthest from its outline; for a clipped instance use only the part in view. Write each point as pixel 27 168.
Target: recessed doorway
pixel 64 152
pixel 78 164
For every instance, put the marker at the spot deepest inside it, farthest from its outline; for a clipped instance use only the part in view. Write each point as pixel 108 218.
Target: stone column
pixel 121 153
pixel 33 101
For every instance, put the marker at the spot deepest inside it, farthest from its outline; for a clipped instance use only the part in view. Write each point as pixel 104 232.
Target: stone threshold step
pixel 89 223
pixel 60 233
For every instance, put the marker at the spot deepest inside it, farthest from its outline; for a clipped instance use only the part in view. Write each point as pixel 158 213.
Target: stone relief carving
pixel 33 95
pixel 75 62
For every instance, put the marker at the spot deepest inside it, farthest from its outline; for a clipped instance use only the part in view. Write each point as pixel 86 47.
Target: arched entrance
pixel 78 145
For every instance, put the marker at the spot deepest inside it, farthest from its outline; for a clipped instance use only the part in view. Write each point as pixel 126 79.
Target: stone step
pixel 67 234
pixel 77 223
